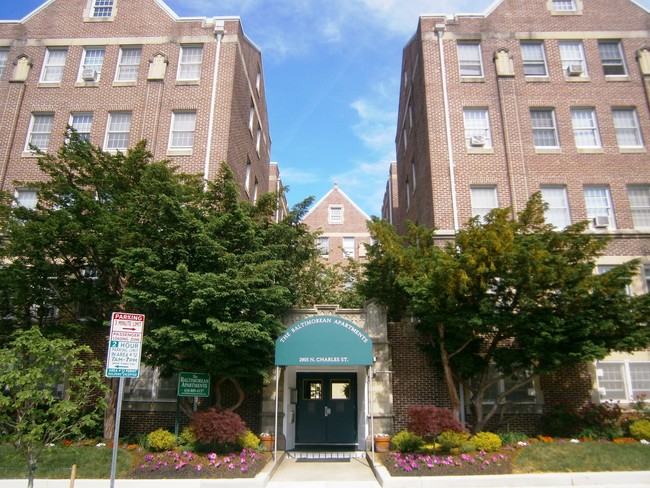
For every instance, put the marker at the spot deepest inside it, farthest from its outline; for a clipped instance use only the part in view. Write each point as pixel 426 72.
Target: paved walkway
pixel 315 473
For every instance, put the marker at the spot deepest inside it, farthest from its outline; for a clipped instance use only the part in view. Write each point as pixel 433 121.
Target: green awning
pixel 323 340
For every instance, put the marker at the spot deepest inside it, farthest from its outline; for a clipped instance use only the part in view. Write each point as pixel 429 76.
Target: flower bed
pixel 399 464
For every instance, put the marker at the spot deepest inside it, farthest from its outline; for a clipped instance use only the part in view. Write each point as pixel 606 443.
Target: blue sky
pixel 332 70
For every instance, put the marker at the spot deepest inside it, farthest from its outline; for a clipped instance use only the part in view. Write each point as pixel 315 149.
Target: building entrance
pixel 326 409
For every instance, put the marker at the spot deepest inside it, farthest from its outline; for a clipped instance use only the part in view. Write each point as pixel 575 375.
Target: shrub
pixel 512 437
pixel 428 421
pixel 248 440
pixel 217 426
pixel 406 441
pixel 187 438
pixel 452 441
pixel 640 430
pixel 486 441
pixel 592 421
pixel 161 440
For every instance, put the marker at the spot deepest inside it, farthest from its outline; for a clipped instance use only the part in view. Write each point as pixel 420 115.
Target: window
pixel 544 127
pixel 26 198
pixel 150 386
pixel 623 380
pixel 91 66
pixel 117 132
pixel 128 65
pixel 251 117
pixel 335 215
pixel 585 128
pixel 533 58
pixel 646 274
pixel 323 245
pixel 413 174
pixel 477 128
pixel 639 196
pixel 4 54
pixel 258 140
pixel 348 247
pixel 484 199
pixel 599 205
pixel 182 134
pixel 247 177
pixel 102 8
pixel 469 59
pixel 524 394
pixel 256 186
pixel 628 131
pixel 53 65
pixel 557 213
pixel 611 56
pixel 189 67
pixel 573 58
pixel 40 129
pixel 82 123
pixel 564 5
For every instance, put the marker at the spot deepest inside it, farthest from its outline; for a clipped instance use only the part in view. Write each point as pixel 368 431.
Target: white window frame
pixel 53 65
pixel 82 122
pixel 564 5
pixel 598 203
pixel 335 214
pixel 544 126
pixel 585 128
pixel 484 199
pixel 251 117
pixel 639 197
pixel 26 198
pixel 128 64
pixel 4 57
pixel 151 387
pixel 40 126
pixel 535 62
pixel 470 59
pixel 247 177
pixel 183 128
pixel 476 121
pixel 348 247
pixel 323 245
pixel 115 130
pixel 190 62
pixel 258 140
pixel 557 214
pixel 612 62
pixel 628 128
pixel 97 66
pixel 624 378
pixel 102 9
pixel 504 384
pixel 573 53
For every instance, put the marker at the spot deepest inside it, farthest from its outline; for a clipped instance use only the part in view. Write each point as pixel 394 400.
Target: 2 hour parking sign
pixel 125 345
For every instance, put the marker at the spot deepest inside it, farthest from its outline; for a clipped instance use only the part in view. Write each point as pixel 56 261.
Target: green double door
pixel 326 410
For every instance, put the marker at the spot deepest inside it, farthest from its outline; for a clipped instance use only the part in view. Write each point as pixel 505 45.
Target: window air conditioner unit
pixel 574 70
pixel 88 74
pixel 477 141
pixel 601 221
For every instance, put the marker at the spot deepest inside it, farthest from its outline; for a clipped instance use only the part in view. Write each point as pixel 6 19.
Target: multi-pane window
pixel 182 134
pixel 623 380
pixel 628 130
pixel 117 132
pixel 258 140
pixel 544 127
pixel 639 196
pixel 82 123
pixel 573 58
pixel 477 127
pixel 611 56
pixel 91 66
pixel 151 386
pixel 251 117
pixel 26 198
pixel 557 211
pixel 4 55
pixel 40 129
pixel 102 8
pixel 348 247
pixel 53 65
pixel 469 59
pixel 128 65
pixel 189 67
pixel 646 274
pixel 585 127
pixel 335 215
pixel 484 199
pixel 323 245
pixel 526 393
pixel 533 58
pixel 564 5
pixel 598 202
pixel 247 178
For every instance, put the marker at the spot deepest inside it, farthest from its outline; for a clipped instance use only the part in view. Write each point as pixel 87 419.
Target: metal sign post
pixel 195 385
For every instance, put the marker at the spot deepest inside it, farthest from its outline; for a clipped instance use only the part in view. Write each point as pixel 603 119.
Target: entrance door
pixel 326 412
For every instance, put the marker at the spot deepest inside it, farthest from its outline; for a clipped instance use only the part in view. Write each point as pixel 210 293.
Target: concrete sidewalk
pixel 348 473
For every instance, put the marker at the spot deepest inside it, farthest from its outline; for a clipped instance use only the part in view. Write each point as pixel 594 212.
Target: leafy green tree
pixel 33 369
pixel 508 299
pixel 122 232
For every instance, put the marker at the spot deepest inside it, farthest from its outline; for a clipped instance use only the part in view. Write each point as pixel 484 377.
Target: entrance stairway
pixel 326 455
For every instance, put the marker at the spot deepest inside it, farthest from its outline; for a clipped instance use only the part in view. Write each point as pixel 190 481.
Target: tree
pixel 33 370
pixel 122 232
pixel 508 299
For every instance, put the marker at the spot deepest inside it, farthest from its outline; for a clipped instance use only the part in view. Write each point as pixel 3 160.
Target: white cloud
pixel 376 117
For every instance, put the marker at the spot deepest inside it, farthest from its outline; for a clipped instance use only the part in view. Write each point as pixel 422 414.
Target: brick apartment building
pixel 533 95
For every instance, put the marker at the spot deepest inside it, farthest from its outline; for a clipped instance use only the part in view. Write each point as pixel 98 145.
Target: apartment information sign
pixel 194 385
pixel 125 345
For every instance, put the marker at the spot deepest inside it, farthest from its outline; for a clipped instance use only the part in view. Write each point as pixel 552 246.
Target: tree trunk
pixel 111 409
pixel 448 375
pixel 31 467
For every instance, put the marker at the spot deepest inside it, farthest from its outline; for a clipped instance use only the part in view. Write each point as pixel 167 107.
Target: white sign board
pixel 125 345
